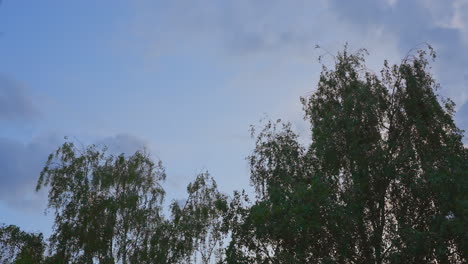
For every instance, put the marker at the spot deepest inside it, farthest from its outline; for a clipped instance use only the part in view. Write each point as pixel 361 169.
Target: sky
pixel 186 79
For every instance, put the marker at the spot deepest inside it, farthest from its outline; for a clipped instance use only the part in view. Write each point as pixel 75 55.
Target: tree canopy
pixel 20 247
pixel 384 180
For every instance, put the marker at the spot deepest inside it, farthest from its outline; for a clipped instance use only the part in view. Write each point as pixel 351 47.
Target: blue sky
pixel 186 79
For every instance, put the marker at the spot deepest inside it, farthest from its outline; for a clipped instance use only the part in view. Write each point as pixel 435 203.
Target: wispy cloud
pixel 443 24
pixel 281 29
pixel 15 102
pixel 124 143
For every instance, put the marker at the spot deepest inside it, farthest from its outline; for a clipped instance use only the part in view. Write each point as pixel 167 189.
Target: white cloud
pixel 451 14
pixel 460 18
pixel 392 3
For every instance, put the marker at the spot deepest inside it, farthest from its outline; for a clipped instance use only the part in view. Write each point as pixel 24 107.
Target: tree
pixel 286 222
pixel 193 231
pixel 104 204
pixel 200 219
pixel 384 180
pixel 109 209
pixel 20 247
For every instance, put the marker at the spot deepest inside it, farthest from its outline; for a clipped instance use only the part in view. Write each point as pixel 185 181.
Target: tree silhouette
pixel 384 181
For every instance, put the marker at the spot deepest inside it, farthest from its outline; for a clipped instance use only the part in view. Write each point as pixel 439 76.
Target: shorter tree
pixel 109 209
pixel 104 204
pixel 20 247
pixel 201 218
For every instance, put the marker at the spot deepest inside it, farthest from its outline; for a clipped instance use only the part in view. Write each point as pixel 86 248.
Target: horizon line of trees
pixel 384 180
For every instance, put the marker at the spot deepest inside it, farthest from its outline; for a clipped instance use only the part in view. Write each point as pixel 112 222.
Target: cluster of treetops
pixel 384 180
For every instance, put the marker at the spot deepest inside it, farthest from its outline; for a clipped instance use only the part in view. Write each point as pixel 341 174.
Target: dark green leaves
pixel 102 203
pixel 384 180
pixel 109 209
pixel 19 247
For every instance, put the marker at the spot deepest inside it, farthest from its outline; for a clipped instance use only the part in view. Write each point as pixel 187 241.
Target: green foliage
pixel 194 230
pixel 103 203
pixel 384 180
pixel 109 209
pixel 201 219
pixel 19 247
